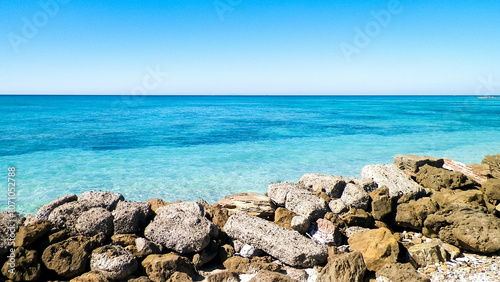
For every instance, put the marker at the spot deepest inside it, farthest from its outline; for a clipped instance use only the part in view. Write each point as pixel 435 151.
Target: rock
pixel 245 265
pixel 466 227
pixel 283 218
pixel 100 199
pixel 286 245
pixel 237 264
pixel 451 251
pixel 277 192
pixel 324 232
pixel 331 185
pixel 29 234
pixel 9 225
pixel 269 276
pixel 381 203
pixel 223 276
pixel 468 171
pixel 205 256
pixel 219 216
pixel 44 211
pixel 70 257
pixel 207 208
pixel 427 254
pixel 161 267
pixel 124 239
pixel 27 266
pixel 378 247
pixel 127 217
pixel 300 223
pixel 225 252
pixel 358 217
pixel 179 277
pixel 491 188
pixel 57 237
pixel 412 163
pixel 113 262
pixel 145 247
pixel 181 227
pixel 344 267
pixel 95 221
pixel 413 214
pixel 338 206
pixel 356 194
pixel 91 276
pixel 353 230
pixel 440 178
pixel 393 178
pixel 156 203
pixel 66 215
pixel 446 197
pixel 251 203
pixel 493 161
pixel 400 272
pixel 303 202
pixel 248 251
pixel 29 219
pixel 299 274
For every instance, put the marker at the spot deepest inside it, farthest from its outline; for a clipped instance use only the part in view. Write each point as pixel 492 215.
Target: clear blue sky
pixel 249 47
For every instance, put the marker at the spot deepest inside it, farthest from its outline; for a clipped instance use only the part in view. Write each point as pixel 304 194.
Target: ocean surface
pixel 188 148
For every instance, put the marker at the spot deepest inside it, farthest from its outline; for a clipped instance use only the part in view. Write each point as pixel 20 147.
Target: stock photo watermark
pixel 32 25
pixel 487 86
pixel 224 6
pixel 12 221
pixel 371 29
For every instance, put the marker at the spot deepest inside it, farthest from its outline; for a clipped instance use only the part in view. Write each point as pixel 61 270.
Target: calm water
pixel 187 148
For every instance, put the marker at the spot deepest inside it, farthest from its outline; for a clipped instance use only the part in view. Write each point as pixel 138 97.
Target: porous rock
pixel 412 162
pixel 161 267
pixel 440 178
pixel 95 221
pixel 393 178
pixel 251 203
pixel 26 265
pixel 378 247
pixel 277 192
pixel 413 214
pixel 331 185
pixel 113 262
pixel 397 272
pixel 45 210
pixel 305 203
pixel 100 199
pixel 27 235
pixel 344 267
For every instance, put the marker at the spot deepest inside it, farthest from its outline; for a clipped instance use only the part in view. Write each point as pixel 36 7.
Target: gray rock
pixel 113 262
pixel 412 163
pixel 338 206
pixel 95 221
pixel 101 199
pixel 249 251
pixel 332 185
pixel 277 192
pixel 283 244
pixel 300 224
pixel 130 217
pixel 181 227
pixel 427 254
pixel 353 230
pixel 344 267
pixel 305 203
pixel 146 247
pixel 355 196
pixel 66 215
pixel 391 176
pixel 44 211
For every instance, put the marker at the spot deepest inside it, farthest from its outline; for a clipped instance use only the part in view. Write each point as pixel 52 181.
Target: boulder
pixel 269 276
pixel 181 227
pixel 324 232
pixel 412 163
pixel 450 251
pixel 300 224
pixel 331 185
pixel 440 178
pixel 156 203
pixel 338 206
pixel 66 215
pixel 381 203
pixel 397 272
pixel 286 245
pixel 446 197
pixel 124 239
pixel 100 199
pixel 413 214
pixel 251 203
pixel 305 203
pixel 277 192
pixel 393 178
pixel 219 216
pixel 358 217
pixel 466 227
pixel 144 248
pixel 344 267
pixel 27 235
pixel 427 254
pixel 249 251
pixel 378 246
pixel 353 230
pixel 491 188
pixel 91 276
pixel 128 217
pixel 356 193
pixel 225 252
pixel 283 218
pixel 467 170
pixel 95 221
pixel 113 262
pixel 161 267
pixel 223 276
pixel 493 161
pixel 180 277
pixel 205 256
pixel 27 266
pixel 245 265
pixel 44 211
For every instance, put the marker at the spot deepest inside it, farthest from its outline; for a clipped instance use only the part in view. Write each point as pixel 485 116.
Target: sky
pixel 232 47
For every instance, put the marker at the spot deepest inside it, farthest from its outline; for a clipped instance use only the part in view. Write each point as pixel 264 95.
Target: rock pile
pixel 407 221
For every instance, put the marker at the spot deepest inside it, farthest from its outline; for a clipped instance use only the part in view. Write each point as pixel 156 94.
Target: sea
pixel 207 147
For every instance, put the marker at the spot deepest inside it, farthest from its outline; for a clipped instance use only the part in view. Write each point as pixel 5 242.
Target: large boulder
pixel 95 221
pixel 493 161
pixel 466 227
pixel 358 217
pixel 161 267
pixel 181 227
pixel 398 272
pixel 100 199
pixel 331 185
pixel 66 216
pixel 413 214
pixel 130 217
pixel 286 245
pixel 381 203
pixel 44 211
pixel 356 193
pixel 378 246
pixel 277 192
pixel 305 203
pixel 251 203
pixel 491 189
pixel 393 178
pixel 113 262
pixel 344 267
pixel 446 197
pixel 26 266
pixel 29 234
pixel 412 163
pixel 440 178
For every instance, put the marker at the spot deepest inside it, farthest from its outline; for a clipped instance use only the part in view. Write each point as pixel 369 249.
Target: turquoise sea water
pixel 187 148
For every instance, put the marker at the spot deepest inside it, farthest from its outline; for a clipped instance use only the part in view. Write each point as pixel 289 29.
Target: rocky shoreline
pixel 418 219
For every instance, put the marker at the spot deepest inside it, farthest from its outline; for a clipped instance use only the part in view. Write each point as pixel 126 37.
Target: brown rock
pixel 446 197
pixel 440 178
pixel 225 252
pixel 381 203
pixel 269 276
pixel 27 235
pixel 250 203
pixel 91 276
pixel 412 163
pixel 344 267
pixel 427 254
pixel 207 208
pixel 156 203
pixel 493 161
pixel 206 255
pixel 237 264
pixel 179 277
pixel 224 276
pixel 491 188
pixel 140 279
pixel 219 216
pixel 378 247
pixel 413 214
pixel 124 239
pixel 27 266
pixel 283 217
pixel 400 272
pixel 161 267
pixel 245 265
pixel 465 169
pixel 358 217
